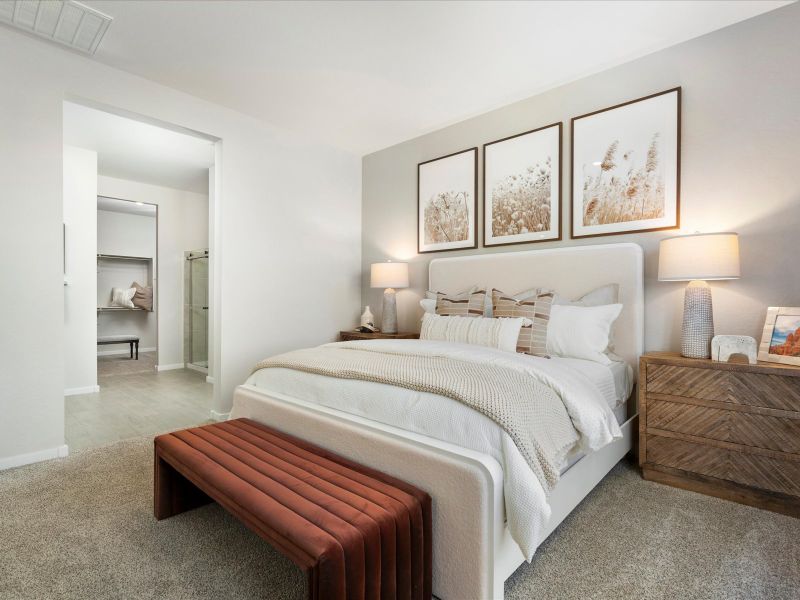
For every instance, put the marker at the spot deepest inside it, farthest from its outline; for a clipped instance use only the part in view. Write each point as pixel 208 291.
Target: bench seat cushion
pixel 361 533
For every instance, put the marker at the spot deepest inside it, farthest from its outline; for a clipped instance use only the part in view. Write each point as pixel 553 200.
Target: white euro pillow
pixel 428 305
pixel 581 331
pixel 480 331
pixel 604 295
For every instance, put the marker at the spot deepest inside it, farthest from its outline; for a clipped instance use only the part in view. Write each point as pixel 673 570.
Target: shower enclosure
pixel 195 310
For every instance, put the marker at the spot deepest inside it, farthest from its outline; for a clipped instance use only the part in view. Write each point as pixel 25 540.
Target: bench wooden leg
pixel 131 344
pixel 137 349
pixel 174 493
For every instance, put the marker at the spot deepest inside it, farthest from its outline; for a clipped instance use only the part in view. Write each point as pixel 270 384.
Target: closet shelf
pixel 119 308
pixel 121 257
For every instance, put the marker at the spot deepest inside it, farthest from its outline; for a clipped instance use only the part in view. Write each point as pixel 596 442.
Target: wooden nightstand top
pixel 676 360
pixel 346 336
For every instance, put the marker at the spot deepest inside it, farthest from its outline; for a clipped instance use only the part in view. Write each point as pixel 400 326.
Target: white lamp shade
pixel 699 256
pixel 389 275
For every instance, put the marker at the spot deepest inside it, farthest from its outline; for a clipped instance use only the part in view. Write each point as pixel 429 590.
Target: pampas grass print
pixel 618 190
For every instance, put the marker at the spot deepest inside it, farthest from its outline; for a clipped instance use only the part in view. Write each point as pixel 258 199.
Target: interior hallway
pixel 135 400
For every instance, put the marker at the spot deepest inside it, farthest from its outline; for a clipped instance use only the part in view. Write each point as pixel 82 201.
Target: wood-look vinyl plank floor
pixel 135 400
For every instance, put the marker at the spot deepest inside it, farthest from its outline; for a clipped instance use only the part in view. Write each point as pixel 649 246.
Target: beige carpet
pixel 83 528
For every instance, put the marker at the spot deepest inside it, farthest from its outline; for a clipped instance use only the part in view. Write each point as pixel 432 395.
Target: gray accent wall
pixel 740 171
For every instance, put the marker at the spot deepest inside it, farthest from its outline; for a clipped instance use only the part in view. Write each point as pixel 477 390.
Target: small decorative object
pixel 522 187
pixel 780 342
pixel 389 275
pixel 725 346
pixel 697 258
pixel 447 202
pixel 367 318
pixel 626 167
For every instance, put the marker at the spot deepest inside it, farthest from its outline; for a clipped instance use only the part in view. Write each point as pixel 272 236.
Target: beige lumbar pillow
pixel 143 298
pixel 479 331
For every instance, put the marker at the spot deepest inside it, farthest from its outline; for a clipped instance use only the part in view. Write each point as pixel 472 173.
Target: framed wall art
pixel 447 202
pixel 626 167
pixel 780 341
pixel 522 187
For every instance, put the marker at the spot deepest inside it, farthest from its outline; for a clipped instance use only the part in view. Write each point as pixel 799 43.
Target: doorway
pixel 149 187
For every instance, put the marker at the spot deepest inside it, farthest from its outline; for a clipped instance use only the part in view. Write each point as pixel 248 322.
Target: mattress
pixel 579 384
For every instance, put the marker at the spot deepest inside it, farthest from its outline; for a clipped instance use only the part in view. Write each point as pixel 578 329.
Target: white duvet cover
pixel 527 510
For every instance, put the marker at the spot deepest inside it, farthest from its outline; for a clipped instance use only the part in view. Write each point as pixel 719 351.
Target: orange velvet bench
pixel 357 533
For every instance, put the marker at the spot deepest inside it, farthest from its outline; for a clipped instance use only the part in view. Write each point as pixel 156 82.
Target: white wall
pixel 125 234
pixel 739 160
pixel 80 218
pixel 182 225
pixel 288 225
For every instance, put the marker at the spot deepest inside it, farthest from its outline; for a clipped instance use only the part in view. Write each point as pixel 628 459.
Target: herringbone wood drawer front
pixel 761 431
pixel 753 470
pixel 728 430
pixel 754 389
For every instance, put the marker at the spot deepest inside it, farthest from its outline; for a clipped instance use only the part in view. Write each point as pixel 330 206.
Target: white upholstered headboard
pixel 570 271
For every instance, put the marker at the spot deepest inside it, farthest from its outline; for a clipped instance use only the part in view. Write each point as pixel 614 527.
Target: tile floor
pixel 134 400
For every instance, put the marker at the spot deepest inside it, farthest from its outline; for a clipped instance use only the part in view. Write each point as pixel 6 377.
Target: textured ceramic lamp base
pixel 389 312
pixel 698 321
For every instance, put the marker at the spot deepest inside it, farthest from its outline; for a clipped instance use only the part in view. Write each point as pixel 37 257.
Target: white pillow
pixel 123 297
pixel 604 295
pixel 581 331
pixel 428 305
pixel 480 331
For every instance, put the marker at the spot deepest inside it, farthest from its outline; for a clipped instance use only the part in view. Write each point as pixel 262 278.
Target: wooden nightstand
pixel 729 430
pixel 347 336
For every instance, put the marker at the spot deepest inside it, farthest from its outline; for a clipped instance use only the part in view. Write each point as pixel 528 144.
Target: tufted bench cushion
pixel 358 533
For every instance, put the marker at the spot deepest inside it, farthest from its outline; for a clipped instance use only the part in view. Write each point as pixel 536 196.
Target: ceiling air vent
pixel 65 22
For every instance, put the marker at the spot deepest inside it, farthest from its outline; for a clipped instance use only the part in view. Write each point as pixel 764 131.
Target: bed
pixel 479 493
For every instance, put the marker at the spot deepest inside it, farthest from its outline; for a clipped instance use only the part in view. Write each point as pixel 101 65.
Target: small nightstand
pixel 730 430
pixel 347 336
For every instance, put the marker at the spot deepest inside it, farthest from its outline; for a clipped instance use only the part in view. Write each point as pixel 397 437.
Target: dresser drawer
pixel 750 469
pixel 738 387
pixel 739 427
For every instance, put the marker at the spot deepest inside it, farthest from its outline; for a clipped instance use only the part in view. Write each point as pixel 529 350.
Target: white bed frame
pixel 473 550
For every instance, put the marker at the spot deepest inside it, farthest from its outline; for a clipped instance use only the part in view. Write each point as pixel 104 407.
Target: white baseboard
pixel 19 460
pixel 172 367
pixel 120 352
pixel 210 379
pixel 219 416
pixel 192 367
pixel 89 389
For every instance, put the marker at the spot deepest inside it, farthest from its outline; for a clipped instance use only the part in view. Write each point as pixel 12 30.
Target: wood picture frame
pixel 444 206
pixel 529 169
pixel 780 339
pixel 647 131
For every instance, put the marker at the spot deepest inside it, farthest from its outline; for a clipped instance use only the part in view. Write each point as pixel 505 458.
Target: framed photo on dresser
pixel 780 340
pixel 626 167
pixel 447 202
pixel 522 187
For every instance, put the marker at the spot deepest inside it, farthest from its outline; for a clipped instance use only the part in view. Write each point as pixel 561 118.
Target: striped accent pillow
pixel 532 338
pixel 471 305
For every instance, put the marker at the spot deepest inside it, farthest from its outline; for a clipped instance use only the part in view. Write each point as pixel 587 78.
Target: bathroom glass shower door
pixel 196 310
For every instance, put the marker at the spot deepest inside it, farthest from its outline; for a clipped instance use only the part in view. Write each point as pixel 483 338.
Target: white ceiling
pixel 367 75
pixel 139 151
pixel 126 206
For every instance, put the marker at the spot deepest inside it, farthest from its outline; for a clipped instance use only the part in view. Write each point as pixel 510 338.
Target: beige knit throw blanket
pixel 528 410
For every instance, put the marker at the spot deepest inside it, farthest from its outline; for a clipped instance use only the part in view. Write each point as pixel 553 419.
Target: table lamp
pixel 389 275
pixel 697 258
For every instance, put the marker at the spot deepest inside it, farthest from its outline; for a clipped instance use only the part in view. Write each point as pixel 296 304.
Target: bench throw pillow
pixel 143 298
pixel 532 338
pixel 470 305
